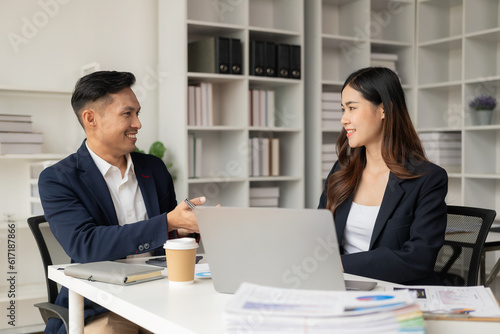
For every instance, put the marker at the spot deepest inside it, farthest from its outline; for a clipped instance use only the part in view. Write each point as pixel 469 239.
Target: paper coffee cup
pixel 181 259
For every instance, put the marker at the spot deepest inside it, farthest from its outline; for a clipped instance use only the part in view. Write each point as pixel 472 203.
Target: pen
pixel 444 315
pixel 190 204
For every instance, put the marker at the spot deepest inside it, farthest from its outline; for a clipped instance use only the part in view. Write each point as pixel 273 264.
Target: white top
pixel 359 227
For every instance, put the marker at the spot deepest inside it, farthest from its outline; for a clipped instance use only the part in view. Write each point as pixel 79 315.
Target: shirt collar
pixel 104 166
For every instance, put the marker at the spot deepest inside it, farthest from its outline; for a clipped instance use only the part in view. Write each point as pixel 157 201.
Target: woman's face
pixel 361 119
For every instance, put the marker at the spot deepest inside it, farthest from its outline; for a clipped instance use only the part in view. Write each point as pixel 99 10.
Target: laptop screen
pixel 289 248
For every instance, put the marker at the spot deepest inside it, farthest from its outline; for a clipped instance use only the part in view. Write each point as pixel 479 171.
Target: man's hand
pixel 183 219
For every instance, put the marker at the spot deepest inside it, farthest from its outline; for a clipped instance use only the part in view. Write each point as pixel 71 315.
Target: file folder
pixel 270 59
pixel 209 55
pixel 114 272
pixel 295 61
pixel 235 56
pixel 283 60
pixel 257 58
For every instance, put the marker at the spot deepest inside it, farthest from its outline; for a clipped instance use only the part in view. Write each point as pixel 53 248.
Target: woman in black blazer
pixel 388 200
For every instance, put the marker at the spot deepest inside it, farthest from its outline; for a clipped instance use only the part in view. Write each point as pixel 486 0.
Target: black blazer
pixel 408 232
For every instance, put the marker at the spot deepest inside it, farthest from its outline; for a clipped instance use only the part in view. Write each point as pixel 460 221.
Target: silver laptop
pixel 287 248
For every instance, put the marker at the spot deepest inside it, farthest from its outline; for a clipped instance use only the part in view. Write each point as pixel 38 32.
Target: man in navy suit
pixel 107 202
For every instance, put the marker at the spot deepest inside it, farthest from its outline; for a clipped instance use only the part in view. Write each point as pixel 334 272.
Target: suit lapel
pixel 94 181
pixel 392 196
pixel 146 183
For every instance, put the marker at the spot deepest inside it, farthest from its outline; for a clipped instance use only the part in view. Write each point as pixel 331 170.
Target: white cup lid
pixel 181 243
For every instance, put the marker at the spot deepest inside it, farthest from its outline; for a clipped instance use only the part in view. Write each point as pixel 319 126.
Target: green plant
pixel 483 102
pixel 158 150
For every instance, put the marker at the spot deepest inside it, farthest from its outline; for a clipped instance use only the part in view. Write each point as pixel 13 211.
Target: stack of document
pixel 328 158
pixel 260 309
pixel 449 302
pixel 443 148
pixel 264 197
pixel 17 136
pixel 331 111
pixel 384 60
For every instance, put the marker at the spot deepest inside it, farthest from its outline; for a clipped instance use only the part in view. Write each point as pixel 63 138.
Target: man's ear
pixel 88 118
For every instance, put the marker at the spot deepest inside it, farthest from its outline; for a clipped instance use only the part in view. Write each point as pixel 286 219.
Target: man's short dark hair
pixel 98 85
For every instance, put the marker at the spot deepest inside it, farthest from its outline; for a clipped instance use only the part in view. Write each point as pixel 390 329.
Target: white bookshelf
pixel 225 168
pixel 340 37
pixel 458 45
pixel 457 52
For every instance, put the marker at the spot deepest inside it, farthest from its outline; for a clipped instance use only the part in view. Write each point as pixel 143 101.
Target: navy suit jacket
pixel 408 233
pixel 78 206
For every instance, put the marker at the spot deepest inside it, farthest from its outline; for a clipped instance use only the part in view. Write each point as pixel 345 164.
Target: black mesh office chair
pixel 51 253
pixel 459 259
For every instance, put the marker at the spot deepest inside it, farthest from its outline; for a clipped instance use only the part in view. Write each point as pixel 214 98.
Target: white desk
pixel 196 308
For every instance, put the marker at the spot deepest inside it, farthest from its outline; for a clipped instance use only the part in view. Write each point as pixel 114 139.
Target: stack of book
pixel 17 136
pixel 194 156
pixel 384 60
pixel 443 148
pixel 264 156
pixel 261 107
pixel 264 197
pixel 328 158
pixel 200 104
pixel 260 309
pixel 331 111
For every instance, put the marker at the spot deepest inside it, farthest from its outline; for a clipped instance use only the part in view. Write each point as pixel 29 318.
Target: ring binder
pixel 257 58
pixel 295 61
pixel 270 59
pixel 235 56
pixel 283 60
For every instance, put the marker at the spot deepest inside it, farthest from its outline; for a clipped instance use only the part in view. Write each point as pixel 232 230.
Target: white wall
pixel 45 43
pixel 43 46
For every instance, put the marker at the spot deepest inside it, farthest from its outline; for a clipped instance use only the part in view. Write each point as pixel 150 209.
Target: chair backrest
pixel 50 251
pixel 459 259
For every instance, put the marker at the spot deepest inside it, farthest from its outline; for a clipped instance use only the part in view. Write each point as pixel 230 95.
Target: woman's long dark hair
pixel 400 142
